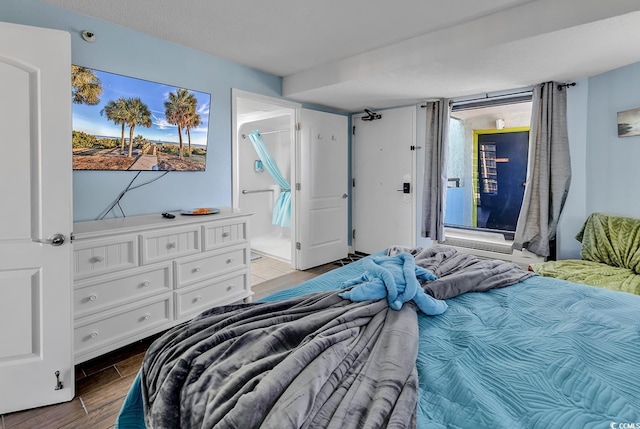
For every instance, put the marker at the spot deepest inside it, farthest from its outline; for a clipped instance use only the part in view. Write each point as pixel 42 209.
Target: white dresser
pixel 139 275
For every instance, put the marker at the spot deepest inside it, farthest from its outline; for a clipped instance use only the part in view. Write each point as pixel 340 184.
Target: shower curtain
pixel 282 208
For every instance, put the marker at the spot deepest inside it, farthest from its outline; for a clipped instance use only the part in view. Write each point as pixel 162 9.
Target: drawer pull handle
pixel 95 259
pixel 147 316
pixel 225 234
pixel 93 297
pixel 195 270
pixel 146 283
pixel 94 335
pixel 230 260
pixel 230 287
pixel 171 245
pixel 197 299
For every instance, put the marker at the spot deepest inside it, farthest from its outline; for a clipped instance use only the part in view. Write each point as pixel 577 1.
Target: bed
pixel 536 353
pixel 609 255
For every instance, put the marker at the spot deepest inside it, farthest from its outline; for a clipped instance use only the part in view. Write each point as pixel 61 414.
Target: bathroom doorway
pixel 254 189
pixel 310 150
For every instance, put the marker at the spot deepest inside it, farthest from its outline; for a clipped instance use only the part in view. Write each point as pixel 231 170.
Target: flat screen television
pixel 124 123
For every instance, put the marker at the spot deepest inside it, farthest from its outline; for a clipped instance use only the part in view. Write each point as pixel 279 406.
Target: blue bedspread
pixel 543 353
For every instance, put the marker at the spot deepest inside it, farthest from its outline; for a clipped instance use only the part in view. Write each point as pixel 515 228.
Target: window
pixel 488 151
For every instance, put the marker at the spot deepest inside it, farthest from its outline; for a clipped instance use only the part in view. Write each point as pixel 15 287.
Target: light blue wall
pixel 130 53
pixel 574 212
pixel 612 163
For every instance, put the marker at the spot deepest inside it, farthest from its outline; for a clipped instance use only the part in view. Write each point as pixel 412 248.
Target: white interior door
pixel 35 187
pixel 322 199
pixel 383 160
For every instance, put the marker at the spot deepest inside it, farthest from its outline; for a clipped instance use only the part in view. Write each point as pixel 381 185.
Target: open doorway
pixel 310 150
pixel 501 157
pixel 487 166
pixel 254 189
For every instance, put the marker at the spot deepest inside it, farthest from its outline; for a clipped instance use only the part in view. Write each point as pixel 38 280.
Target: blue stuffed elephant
pixel 395 278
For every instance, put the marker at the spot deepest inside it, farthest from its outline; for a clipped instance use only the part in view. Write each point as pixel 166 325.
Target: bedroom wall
pixel 604 166
pixel 574 212
pixel 612 163
pixel 130 53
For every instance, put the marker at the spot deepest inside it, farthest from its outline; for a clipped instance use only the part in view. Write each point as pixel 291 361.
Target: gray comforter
pixel 459 272
pixel 311 362
pixel 315 361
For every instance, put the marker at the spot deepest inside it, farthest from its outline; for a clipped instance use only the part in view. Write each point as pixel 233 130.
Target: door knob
pixel 345 196
pixel 54 240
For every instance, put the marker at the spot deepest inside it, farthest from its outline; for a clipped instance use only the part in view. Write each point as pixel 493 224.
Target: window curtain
pixel 434 194
pixel 548 170
pixel 282 207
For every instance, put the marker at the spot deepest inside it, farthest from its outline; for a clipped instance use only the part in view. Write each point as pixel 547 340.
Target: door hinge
pixel 298 126
pixel 298 245
pixel 353 183
pixel 353 131
pixel 353 234
pixel 298 186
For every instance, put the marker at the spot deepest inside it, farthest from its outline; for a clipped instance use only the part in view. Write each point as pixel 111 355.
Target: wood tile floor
pixel 265 268
pixel 103 383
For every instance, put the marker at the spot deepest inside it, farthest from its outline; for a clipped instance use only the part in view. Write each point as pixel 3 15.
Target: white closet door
pixel 35 186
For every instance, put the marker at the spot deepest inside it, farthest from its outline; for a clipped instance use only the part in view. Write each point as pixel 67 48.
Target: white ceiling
pixel 374 53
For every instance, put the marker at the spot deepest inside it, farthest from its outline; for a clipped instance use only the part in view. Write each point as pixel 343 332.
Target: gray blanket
pixel 315 361
pixel 460 272
pixel 310 362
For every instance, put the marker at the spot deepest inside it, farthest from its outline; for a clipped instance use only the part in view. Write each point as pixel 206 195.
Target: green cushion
pixel 611 240
pixel 591 273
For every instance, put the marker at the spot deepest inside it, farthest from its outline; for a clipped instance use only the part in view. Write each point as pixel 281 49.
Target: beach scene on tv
pixel 125 123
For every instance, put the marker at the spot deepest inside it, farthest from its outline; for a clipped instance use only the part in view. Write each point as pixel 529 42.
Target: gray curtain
pixel 548 171
pixel 435 169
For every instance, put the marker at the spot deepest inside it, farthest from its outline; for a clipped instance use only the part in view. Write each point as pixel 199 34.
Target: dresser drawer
pixel 198 298
pixel 204 267
pixel 111 290
pixel 224 234
pixel 113 326
pixel 104 256
pixel 163 245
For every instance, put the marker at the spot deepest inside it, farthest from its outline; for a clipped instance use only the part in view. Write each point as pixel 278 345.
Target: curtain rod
pixel 244 136
pixel 491 97
pixel 565 85
pixel 488 97
pixel 561 86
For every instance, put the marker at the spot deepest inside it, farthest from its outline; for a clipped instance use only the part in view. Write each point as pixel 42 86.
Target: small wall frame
pixel 629 123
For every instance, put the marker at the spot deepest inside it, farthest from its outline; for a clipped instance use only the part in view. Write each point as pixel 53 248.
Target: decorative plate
pixel 200 211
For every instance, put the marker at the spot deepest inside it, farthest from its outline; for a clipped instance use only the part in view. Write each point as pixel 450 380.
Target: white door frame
pixel 356 119
pixel 235 195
